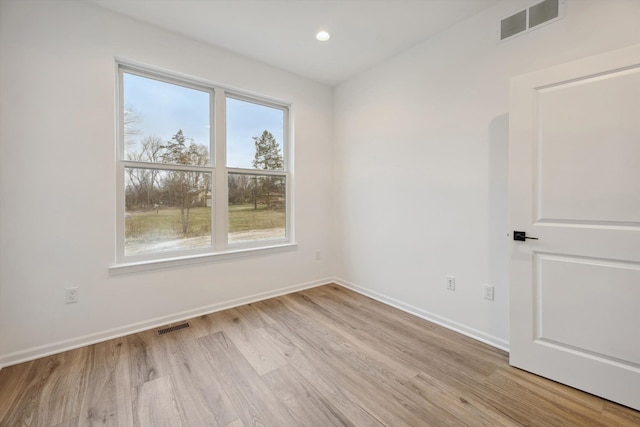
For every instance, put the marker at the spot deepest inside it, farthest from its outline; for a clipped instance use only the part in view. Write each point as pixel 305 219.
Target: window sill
pixel 179 261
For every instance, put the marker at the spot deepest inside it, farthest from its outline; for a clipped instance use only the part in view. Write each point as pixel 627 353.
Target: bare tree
pixel 145 182
pixel 131 119
pixel 240 188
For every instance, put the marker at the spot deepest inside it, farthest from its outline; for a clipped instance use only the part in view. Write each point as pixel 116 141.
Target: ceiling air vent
pixel 541 13
pixel 513 25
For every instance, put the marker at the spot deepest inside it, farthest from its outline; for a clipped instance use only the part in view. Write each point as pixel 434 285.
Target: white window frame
pixel 220 247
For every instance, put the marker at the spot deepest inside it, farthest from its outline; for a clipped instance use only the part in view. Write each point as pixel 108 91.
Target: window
pixel 201 170
pixel 257 177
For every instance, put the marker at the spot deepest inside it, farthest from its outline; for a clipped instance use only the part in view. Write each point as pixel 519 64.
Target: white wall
pixel 419 151
pixel 57 180
pixel 421 160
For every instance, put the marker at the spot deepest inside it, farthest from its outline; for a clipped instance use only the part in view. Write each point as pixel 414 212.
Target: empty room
pixel 319 212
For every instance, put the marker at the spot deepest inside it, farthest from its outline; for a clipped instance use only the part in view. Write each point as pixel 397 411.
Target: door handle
pixel 521 236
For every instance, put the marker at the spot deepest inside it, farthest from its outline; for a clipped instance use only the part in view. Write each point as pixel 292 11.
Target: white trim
pixel 74 343
pixel 265 172
pixel 431 317
pixel 290 165
pixel 220 247
pixel 190 258
pixel 120 203
pixel 257 100
pixel 198 81
pixel 220 197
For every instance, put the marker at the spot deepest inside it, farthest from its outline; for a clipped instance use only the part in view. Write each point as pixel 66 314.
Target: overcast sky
pixel 162 109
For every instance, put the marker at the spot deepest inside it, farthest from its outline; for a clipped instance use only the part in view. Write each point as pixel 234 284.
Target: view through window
pixel 174 188
pixel 257 181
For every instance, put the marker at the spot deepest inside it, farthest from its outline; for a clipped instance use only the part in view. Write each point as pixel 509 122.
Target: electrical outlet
pixel 488 292
pixel 72 295
pixel 451 283
pixel 318 255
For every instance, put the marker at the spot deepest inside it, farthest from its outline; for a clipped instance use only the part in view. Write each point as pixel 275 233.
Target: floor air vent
pixel 541 13
pixel 173 328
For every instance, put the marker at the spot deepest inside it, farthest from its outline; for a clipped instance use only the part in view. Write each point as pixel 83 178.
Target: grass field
pixel 166 223
pixel 245 217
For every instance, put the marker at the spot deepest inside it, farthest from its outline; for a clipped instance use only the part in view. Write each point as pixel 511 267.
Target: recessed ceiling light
pixel 323 36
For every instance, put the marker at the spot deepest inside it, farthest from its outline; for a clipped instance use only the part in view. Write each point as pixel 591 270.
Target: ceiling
pixel 281 33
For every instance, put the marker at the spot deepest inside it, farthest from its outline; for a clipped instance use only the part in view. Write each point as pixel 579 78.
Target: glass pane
pixel 254 136
pixel 257 207
pixel 165 123
pixel 166 210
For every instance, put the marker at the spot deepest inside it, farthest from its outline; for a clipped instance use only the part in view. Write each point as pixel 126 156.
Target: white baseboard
pixel 66 345
pixel 442 321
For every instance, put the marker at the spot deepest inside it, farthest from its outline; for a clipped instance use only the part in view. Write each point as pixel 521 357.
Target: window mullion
pixel 288 166
pixel 259 172
pixel 166 166
pixel 221 198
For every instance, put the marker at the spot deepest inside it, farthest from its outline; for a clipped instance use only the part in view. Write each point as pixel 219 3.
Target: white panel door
pixel 574 176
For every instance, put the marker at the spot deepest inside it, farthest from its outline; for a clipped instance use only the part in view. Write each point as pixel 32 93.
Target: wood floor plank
pixel 344 295
pixel 196 385
pixel 74 422
pixel 12 389
pixel 252 399
pixel 204 325
pixel 277 340
pixel 50 393
pixel 420 347
pixel 106 394
pixel 257 318
pixel 147 362
pixel 548 388
pixel 404 346
pixel 371 368
pixel 350 345
pixel 258 352
pixel 305 404
pixel 317 291
pixel 309 304
pixel 64 395
pixel 448 405
pixel 147 359
pixel 424 354
pixel 318 371
pixel 388 390
pixel 370 390
pixel 620 415
pixel 26 398
pixel 423 330
pixel 157 404
pixel 556 407
pixel 325 356
pixel 512 402
pixel 313 365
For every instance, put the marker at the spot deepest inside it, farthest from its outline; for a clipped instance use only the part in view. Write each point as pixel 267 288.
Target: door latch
pixel 521 236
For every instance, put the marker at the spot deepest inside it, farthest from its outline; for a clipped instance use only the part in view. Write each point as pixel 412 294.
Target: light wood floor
pixel 323 357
